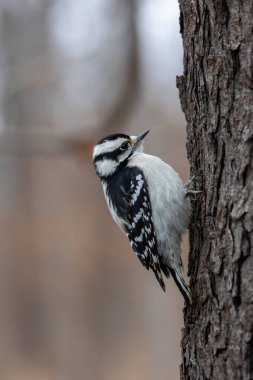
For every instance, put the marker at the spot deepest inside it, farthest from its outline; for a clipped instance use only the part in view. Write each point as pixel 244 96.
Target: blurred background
pixel 75 303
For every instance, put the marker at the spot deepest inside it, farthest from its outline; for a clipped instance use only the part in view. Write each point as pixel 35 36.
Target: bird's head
pixel 113 151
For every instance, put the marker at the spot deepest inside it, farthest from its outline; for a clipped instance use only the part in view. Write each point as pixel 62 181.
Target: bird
pixel 148 201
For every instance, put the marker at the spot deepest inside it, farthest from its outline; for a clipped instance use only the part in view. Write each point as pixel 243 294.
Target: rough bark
pixel 216 93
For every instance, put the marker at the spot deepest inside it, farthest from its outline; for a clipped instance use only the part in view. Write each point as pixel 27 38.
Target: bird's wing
pixel 140 228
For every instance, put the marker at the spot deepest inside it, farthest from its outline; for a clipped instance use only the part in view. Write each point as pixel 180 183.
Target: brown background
pixel 74 301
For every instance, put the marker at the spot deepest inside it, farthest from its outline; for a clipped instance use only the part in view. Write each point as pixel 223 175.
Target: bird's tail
pixel 182 286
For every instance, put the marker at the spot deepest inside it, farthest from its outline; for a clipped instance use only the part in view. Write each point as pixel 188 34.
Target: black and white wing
pixel 139 226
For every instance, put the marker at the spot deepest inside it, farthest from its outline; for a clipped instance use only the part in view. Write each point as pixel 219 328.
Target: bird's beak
pixel 137 139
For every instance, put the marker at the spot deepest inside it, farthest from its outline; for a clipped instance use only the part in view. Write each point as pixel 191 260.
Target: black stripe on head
pixel 110 155
pixel 114 136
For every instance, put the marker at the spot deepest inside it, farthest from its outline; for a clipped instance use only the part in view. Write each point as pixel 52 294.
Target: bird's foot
pixel 190 185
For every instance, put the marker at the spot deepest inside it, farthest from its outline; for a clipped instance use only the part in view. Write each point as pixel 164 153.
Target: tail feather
pixel 164 267
pixel 159 278
pixel 182 286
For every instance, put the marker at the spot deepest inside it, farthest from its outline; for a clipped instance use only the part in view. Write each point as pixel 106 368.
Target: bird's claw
pixel 189 187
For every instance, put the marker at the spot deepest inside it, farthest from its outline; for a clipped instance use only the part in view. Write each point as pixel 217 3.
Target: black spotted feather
pixel 130 200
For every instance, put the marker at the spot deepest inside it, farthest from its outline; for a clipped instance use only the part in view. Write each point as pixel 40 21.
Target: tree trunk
pixel 216 94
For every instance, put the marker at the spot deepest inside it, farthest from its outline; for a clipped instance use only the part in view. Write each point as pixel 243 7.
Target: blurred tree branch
pixel 123 109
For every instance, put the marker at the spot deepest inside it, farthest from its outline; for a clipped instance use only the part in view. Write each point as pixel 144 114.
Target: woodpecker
pixel 148 201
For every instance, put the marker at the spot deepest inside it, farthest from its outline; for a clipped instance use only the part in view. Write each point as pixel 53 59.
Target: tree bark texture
pixel 216 92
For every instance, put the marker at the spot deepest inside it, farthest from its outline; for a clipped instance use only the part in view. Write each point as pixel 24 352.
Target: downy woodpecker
pixel 147 199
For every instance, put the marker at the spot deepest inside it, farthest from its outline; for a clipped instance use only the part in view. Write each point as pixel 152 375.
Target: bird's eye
pixel 124 146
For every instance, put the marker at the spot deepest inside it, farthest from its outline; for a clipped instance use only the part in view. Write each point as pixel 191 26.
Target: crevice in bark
pixel 219 178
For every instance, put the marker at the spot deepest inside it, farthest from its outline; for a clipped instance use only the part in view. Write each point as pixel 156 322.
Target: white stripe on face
pixel 106 167
pixel 108 146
